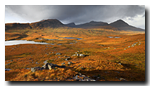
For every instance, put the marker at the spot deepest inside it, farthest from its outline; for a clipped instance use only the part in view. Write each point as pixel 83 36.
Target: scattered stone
pixel 110 37
pixel 119 63
pixel 8 64
pixel 81 77
pixel 58 54
pixel 69 63
pixel 82 55
pixel 117 37
pixel 45 61
pixel 68 58
pixel 50 66
pixel 65 56
pixel 37 63
pixel 122 79
pixel 33 69
pixel 63 63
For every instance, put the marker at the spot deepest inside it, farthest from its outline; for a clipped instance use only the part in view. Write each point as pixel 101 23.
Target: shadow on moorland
pixel 12 74
pixel 107 75
pixel 133 74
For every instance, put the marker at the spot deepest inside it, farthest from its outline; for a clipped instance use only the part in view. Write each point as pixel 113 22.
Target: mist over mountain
pixel 76 13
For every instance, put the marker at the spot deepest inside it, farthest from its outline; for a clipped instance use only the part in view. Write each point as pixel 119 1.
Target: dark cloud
pixel 75 13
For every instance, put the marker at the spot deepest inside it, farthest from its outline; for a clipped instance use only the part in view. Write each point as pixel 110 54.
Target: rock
pixel 58 54
pixel 50 66
pixel 33 69
pixel 82 55
pixel 74 55
pixel 68 58
pixel 63 63
pixel 45 61
pixel 119 63
pixel 81 77
pixel 65 56
pixel 37 63
pixel 8 64
pixel 110 37
pixel 69 63
pixel 122 79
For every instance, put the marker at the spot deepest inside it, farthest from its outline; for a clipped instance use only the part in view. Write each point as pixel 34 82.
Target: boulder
pixel 50 66
pixel 122 79
pixel 69 63
pixel 82 55
pixel 58 53
pixel 33 69
pixel 63 63
pixel 68 58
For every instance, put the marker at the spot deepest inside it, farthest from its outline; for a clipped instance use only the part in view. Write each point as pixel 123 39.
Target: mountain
pixel 51 23
pixel 54 23
pixel 91 24
pixel 17 26
pixel 122 25
pixel 117 25
pixel 71 24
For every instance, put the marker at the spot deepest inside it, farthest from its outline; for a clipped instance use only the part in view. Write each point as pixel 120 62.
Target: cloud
pixel 137 20
pixel 74 13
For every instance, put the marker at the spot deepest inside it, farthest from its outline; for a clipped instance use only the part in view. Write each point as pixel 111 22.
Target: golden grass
pixel 103 55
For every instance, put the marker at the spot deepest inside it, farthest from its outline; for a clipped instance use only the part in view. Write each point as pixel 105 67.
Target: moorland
pixel 93 51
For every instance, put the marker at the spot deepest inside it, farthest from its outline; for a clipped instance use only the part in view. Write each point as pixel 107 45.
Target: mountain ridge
pixel 54 23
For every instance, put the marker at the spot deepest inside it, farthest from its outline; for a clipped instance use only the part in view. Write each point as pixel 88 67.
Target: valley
pixel 86 54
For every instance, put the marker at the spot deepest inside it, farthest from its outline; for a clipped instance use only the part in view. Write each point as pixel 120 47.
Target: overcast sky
pixel 132 14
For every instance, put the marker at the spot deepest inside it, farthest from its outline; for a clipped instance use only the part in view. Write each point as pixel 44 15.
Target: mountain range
pixel 54 23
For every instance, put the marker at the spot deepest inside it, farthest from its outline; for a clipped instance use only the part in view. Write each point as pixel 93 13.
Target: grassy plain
pixel 107 58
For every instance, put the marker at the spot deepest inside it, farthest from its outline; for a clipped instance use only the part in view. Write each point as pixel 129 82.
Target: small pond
pixel 72 38
pixel 113 37
pixel 6 69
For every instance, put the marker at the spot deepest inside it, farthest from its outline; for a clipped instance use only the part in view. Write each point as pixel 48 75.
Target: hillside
pixel 99 53
pixel 117 25
pixel 49 23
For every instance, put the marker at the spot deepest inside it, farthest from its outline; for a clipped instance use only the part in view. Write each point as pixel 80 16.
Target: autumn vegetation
pixel 107 58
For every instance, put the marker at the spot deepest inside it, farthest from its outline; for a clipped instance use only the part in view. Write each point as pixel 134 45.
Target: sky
pixel 132 14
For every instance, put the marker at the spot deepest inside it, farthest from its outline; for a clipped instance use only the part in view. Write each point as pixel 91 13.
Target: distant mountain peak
pixel 119 23
pixel 92 22
pixel 122 25
pixel 72 24
pixel 53 23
